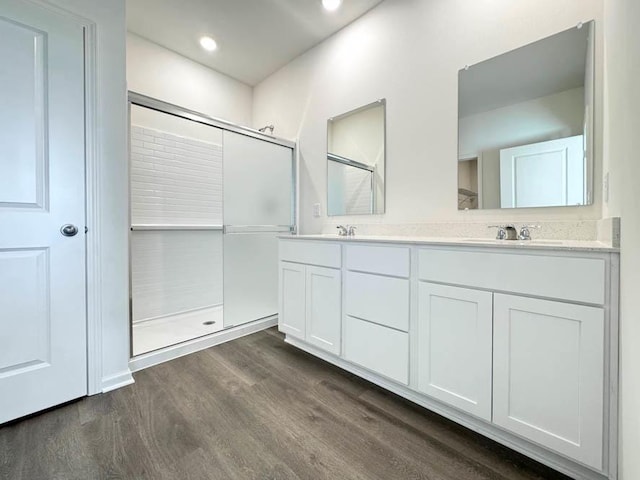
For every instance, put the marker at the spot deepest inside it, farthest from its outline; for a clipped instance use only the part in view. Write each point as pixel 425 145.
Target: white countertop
pixel 571 245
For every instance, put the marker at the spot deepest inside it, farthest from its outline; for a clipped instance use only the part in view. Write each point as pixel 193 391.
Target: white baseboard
pixel 156 357
pixel 117 381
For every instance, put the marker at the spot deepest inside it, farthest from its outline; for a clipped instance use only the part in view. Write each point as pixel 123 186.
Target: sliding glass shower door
pixel 207 205
pixel 258 197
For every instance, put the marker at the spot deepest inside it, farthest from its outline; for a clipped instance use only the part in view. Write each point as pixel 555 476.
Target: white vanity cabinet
pixel 549 374
pixel 292 318
pixel 323 293
pixel 310 294
pixel 455 337
pixel 516 342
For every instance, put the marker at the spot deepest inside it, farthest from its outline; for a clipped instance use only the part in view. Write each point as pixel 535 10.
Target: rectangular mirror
pixel 356 161
pixel 525 123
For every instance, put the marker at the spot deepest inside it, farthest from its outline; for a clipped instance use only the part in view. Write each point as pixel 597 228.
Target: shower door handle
pixel 228 229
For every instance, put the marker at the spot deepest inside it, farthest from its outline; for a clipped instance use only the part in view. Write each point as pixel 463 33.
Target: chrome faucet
pixel 346 231
pixel 525 233
pixel 505 232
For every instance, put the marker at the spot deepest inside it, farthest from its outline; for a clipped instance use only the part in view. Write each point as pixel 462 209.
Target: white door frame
pixel 92 200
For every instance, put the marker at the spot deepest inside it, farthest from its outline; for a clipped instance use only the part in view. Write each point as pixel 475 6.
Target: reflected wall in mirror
pixel 525 122
pixel 356 161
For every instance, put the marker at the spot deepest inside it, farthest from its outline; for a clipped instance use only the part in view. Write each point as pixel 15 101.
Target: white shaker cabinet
pixel 455 339
pixel 310 304
pixel 549 374
pixel 292 319
pixel 323 298
pixel 311 294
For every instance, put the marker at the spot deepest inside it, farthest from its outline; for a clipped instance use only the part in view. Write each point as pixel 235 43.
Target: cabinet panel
pixel 562 277
pixel 380 349
pixel 292 311
pixel 383 300
pixel 323 294
pixel 455 346
pixel 549 374
pixel 326 254
pixel 378 259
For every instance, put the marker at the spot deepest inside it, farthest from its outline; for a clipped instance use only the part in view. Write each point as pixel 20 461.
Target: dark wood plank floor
pixel 254 408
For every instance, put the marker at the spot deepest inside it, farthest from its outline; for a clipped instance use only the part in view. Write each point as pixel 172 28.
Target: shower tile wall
pixel 175 181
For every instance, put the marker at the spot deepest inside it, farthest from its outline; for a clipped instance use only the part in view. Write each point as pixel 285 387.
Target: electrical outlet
pixel 317 210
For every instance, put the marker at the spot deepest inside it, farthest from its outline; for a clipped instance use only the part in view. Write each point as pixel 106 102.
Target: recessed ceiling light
pixel 208 43
pixel 331 5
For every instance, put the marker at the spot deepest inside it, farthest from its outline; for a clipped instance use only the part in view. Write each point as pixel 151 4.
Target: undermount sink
pixel 514 242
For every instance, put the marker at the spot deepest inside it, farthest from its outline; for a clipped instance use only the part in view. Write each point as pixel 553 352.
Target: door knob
pixel 69 230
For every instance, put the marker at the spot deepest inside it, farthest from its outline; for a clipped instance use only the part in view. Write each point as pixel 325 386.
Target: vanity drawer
pixel 379 349
pixel 325 254
pixel 562 277
pixel 378 299
pixel 376 259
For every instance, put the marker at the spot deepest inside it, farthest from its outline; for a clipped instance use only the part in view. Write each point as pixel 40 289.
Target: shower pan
pixel 208 201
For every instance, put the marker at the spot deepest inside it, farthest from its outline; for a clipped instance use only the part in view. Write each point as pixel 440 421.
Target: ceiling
pixel 255 37
pixel 549 66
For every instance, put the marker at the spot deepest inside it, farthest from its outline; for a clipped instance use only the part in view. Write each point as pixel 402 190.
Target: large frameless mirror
pixel 525 125
pixel 356 161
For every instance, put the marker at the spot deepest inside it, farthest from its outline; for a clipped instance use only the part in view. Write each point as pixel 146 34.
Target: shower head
pixel 267 127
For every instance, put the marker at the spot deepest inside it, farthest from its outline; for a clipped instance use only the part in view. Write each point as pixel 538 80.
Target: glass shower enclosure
pixel 208 201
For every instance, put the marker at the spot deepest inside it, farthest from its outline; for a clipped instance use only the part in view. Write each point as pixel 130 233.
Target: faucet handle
pixel 502 232
pixel 342 230
pixel 525 234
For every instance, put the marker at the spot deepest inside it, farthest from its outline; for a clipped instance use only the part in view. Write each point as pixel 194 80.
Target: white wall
pixel 409 52
pixel 622 71
pixel 109 18
pixel 160 73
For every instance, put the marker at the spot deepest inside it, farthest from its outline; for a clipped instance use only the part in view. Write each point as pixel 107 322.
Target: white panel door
pixel 543 174
pixel 549 374
pixel 323 292
pixel 455 346
pixel 292 308
pixel 42 272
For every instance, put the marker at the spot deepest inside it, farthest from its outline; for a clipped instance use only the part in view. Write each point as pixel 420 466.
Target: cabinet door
pixel 292 312
pixel 455 341
pixel 324 296
pixel 549 373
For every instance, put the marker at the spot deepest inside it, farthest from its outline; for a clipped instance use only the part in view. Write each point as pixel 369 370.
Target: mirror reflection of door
pixel 544 174
pixel 356 161
pixel 526 116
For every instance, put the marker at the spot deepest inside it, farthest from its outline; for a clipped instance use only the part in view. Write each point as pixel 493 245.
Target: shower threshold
pixel 166 331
